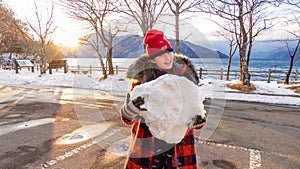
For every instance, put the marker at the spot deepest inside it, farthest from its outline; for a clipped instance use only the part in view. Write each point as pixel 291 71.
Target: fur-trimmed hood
pixel 142 67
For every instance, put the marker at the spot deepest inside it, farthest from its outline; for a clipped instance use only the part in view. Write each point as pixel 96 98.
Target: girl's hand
pixel 131 108
pixel 199 122
pixel 137 102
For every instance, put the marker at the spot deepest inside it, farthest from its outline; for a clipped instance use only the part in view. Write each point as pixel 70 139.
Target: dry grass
pixel 295 88
pixel 242 88
pixel 248 89
pixel 292 85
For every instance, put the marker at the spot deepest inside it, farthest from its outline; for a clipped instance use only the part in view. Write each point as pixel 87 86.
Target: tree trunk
pixel 243 48
pixel 177 42
pixel 288 74
pixel 231 53
pixel 109 61
pixel 292 56
pixel 245 76
pixel 228 67
pixel 102 67
pixel 241 69
pixel 245 73
pixel 42 60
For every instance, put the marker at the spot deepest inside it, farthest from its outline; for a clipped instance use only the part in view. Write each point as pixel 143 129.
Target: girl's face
pixel 164 61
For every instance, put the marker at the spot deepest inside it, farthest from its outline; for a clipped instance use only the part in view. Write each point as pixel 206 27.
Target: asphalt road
pixel 45 127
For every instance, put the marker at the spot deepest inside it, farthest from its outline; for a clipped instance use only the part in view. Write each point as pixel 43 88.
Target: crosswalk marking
pixel 24 125
pixel 9 107
pixel 255 159
pixel 7 93
pixel 255 155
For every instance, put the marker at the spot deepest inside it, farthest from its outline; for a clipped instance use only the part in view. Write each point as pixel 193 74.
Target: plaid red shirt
pixel 143 146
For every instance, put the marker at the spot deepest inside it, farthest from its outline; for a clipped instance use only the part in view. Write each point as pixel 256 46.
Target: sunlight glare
pixel 67 39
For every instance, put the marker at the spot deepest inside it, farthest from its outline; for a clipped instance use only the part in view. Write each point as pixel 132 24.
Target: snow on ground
pixel 265 92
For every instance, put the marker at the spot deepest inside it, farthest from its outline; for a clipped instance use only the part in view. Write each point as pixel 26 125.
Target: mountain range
pixel 131 46
pixel 261 49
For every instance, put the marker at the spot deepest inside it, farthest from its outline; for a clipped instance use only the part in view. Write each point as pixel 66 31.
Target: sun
pixel 67 39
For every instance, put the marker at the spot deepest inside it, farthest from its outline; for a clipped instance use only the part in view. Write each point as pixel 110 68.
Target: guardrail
pixel 90 69
pixel 207 73
pixel 261 75
pixel 203 73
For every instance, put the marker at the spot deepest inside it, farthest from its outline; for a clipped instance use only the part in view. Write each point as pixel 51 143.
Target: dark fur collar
pixel 136 71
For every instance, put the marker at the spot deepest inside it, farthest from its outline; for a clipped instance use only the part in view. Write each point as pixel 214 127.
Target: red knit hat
pixel 156 44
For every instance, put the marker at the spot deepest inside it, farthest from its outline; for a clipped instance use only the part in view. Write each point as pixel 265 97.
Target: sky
pixel 195 29
pixel 265 93
pixel 68 30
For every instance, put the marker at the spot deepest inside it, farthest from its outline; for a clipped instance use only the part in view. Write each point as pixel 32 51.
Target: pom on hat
pixel 156 44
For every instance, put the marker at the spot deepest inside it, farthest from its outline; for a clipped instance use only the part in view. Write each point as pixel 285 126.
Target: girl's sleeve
pixel 127 110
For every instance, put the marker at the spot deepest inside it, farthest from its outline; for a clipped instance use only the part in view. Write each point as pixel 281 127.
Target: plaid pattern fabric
pixel 143 147
pixel 142 150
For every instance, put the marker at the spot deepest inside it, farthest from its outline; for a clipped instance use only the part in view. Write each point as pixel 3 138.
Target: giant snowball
pixel 171 102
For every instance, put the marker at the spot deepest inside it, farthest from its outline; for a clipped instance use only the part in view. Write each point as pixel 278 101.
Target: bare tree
pixel 232 49
pixel 178 7
pixel 295 36
pixel 145 13
pixel 292 54
pixel 249 18
pixel 227 33
pixel 294 3
pixel 96 14
pixel 43 29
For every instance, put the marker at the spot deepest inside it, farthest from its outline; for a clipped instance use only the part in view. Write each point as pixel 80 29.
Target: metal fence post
pixel 200 73
pixel 269 75
pixel 221 74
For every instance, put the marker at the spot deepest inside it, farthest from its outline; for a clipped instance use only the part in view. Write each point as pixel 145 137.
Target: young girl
pixel 146 151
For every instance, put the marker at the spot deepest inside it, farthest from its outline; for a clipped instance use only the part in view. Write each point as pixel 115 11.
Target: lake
pixel 256 64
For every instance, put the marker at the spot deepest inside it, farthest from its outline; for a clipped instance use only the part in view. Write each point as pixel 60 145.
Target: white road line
pixel 74 151
pixel 255 155
pixel 5 129
pixel 9 107
pixel 255 159
pixel 66 155
pixel 9 92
